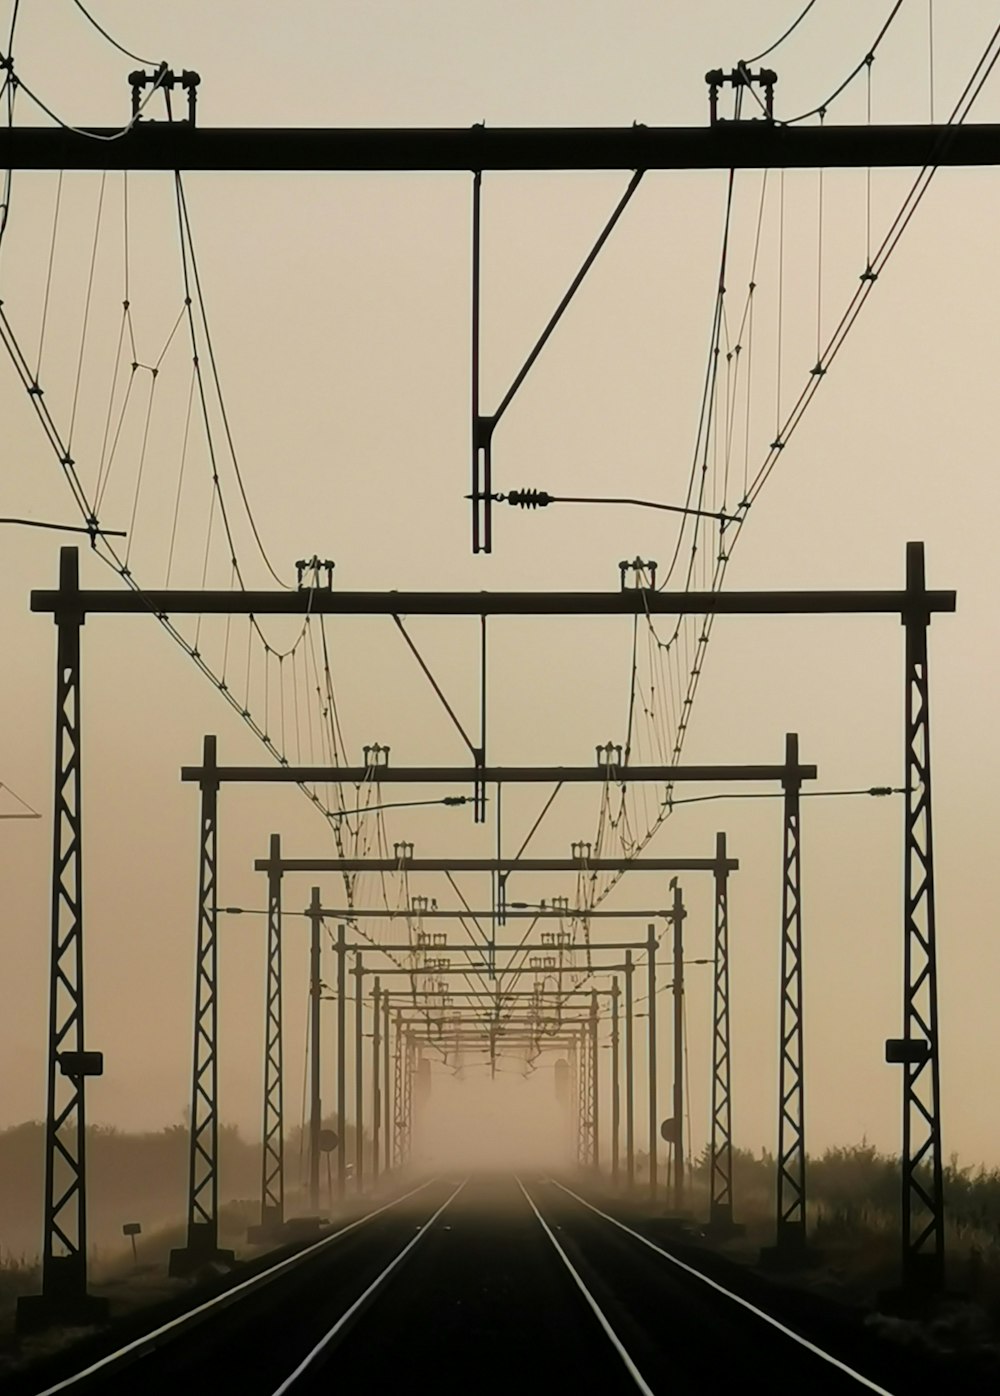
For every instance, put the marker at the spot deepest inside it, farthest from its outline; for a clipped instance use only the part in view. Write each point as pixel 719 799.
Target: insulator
pixel 529 499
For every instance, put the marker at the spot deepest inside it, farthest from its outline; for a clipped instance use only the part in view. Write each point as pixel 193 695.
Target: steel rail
pixel 138 1347
pixel 365 1298
pixel 736 1298
pixel 595 1308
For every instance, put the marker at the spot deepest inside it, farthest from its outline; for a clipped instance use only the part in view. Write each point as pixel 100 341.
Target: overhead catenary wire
pixel 823 107
pixel 147 62
pixel 48 278
pixel 26 812
pixel 539 499
pixel 67 528
pixel 907 209
pixel 14 80
pixel 93 528
pixel 86 308
pixel 974 86
pixel 778 42
pixel 876 791
pixel 213 364
pixel 653 708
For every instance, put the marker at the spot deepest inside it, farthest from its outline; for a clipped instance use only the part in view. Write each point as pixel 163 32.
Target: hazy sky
pixel 339 309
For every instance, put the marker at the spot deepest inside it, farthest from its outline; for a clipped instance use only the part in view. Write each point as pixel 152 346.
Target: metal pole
pixel 677 917
pixel 272 1189
pixel 342 1060
pixel 584 1135
pixel 721 1160
pixel 316 1109
pixel 594 1081
pixel 410 1055
pixel 574 1098
pixel 653 1130
pixel 791 1199
pixel 398 1089
pixel 64 1297
pixel 359 1072
pixel 376 1077
pixel 629 1076
pixel 615 1083
pixel 203 1179
pixel 387 1081
pixel 923 1241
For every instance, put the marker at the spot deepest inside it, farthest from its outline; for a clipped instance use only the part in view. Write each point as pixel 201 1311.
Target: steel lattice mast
pixel 791 1209
pixel 721 1145
pixel 202 1246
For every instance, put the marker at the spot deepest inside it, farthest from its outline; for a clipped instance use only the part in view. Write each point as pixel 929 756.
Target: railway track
pixel 482 1284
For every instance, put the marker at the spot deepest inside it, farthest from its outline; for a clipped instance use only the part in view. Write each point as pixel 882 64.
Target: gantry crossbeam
pixel 723 146
pixel 491 865
pixel 630 602
pixel 499 775
pixel 470 947
pixel 549 913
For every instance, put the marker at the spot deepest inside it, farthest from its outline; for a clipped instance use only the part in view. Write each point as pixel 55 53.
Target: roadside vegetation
pixel 135 1178
pixel 853 1215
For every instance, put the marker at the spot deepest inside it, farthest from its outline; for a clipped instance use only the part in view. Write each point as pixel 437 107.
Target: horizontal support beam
pixel 549 914
pixel 558 996
pixel 633 601
pixel 474 1015
pixel 469 947
pixel 726 145
pixel 485 968
pixel 522 1030
pixel 491 865
pixel 499 1042
pixel 491 775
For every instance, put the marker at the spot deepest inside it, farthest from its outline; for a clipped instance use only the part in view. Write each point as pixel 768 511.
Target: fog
pixel 473 1119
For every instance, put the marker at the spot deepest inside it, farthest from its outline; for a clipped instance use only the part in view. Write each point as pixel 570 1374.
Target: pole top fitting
pixel 741 76
pixel 609 756
pixel 639 569
pixel 314 574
